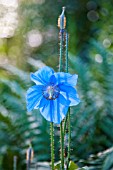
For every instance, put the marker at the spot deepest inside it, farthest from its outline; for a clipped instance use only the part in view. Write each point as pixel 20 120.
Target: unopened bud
pixel 62 20
pixel 29 154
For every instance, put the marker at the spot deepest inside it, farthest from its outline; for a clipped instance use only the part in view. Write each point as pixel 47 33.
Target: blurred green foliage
pixel 34 44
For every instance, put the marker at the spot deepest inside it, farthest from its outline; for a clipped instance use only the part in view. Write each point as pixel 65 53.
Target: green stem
pixel 65 123
pixel 61 51
pixel 61 124
pixel 66 53
pixel 69 138
pixel 68 116
pixel 52 145
pixel 66 69
pixel 62 145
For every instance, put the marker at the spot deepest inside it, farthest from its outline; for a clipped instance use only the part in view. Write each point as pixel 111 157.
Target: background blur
pixel 29 39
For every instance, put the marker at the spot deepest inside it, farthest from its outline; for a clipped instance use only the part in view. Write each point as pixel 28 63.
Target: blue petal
pixel 70 94
pixel 33 103
pixel 34 90
pixel 53 79
pixel 43 103
pixel 60 110
pixel 54 110
pixel 66 78
pixel 46 111
pixel 33 97
pixel 42 76
pixel 63 101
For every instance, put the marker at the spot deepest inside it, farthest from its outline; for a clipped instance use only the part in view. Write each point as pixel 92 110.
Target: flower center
pixel 50 92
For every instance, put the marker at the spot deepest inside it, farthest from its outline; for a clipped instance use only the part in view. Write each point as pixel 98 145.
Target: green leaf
pixel 108 163
pixel 57 166
pixel 72 166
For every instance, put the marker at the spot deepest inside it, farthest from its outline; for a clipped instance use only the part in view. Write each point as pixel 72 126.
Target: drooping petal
pixel 55 110
pixel 46 111
pixel 63 100
pixel 70 94
pixel 66 78
pixel 33 97
pixel 42 76
pixel 60 110
pixel 43 102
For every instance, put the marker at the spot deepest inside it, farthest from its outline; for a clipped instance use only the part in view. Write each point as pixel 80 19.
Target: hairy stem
pixel 61 51
pixel 62 145
pixel 69 139
pixel 68 116
pixel 66 65
pixel 61 124
pixel 65 125
pixel 52 145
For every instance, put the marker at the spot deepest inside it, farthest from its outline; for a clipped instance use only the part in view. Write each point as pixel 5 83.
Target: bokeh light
pixel 107 43
pixel 91 5
pixel 98 58
pixel 34 38
pixel 92 16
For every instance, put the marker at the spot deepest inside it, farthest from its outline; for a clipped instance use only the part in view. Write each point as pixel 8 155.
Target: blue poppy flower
pixel 52 94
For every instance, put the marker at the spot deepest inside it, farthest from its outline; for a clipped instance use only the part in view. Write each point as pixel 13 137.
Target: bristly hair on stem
pixel 61 25
pixel 63 66
pixel 52 144
pixel 69 138
pixel 66 53
pixel 61 52
pixel 61 124
pixel 62 58
pixel 62 145
pixel 68 116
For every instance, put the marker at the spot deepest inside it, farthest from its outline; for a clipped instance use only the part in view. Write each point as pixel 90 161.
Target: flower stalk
pixel 61 25
pixel 61 124
pixel 62 145
pixel 69 139
pixel 52 144
pixel 66 67
pixel 68 116
pixel 66 70
pixel 61 52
